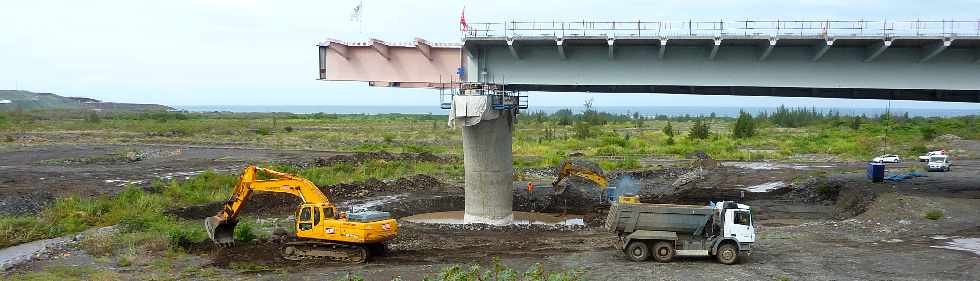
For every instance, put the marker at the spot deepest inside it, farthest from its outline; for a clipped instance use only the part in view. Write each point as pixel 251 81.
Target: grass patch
pixel 933 215
pixel 500 272
pixel 134 210
pixel 249 267
pixel 64 273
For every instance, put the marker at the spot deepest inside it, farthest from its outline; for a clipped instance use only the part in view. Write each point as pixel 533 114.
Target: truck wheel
pixel 663 251
pixel 637 251
pixel 727 253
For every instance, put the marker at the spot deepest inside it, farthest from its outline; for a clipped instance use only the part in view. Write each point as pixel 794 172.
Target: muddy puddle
pixel 520 218
pixel 766 187
pixel 960 244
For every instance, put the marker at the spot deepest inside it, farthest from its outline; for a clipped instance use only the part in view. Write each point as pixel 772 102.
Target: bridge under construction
pixel 482 77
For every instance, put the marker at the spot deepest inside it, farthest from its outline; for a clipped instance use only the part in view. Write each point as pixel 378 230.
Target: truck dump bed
pixel 687 219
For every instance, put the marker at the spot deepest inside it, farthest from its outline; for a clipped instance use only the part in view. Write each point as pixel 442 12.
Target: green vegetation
pixel 933 214
pixel 500 272
pixel 700 130
pixel 540 139
pixel 65 273
pixel 495 272
pixel 139 213
pixel 744 126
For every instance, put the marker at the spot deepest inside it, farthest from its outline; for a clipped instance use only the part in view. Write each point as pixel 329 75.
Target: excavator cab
pixel 310 215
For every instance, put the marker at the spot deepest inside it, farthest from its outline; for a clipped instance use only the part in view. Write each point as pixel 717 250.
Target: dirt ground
pixel 814 220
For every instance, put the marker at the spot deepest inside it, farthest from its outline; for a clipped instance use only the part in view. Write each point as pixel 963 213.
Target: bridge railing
pixel 826 28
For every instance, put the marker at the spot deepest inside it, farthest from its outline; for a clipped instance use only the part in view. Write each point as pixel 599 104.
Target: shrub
pixel 928 132
pixel 856 122
pixel 668 130
pixel 933 214
pixel 180 237
pixel 744 126
pixel 263 131
pixel 244 232
pixel 388 138
pixel 700 130
pixel 288 129
pixel 565 116
pixel 93 117
pixel 919 149
pixel 98 245
pixel 583 130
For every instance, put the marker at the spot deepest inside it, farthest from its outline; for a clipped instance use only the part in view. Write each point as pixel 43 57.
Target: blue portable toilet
pixel 611 194
pixel 876 172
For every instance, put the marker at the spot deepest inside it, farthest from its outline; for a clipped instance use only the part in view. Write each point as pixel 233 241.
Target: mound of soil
pixel 375 187
pixel 259 203
pixel 284 204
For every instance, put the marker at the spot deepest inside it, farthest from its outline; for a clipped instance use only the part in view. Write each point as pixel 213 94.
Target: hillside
pixel 10 100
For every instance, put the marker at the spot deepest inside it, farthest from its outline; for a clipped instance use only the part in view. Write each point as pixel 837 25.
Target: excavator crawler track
pixel 324 251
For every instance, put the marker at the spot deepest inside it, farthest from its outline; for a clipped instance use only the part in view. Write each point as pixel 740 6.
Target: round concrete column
pixel 489 166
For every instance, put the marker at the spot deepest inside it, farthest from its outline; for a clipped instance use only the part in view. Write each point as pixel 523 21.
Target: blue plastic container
pixel 611 194
pixel 876 172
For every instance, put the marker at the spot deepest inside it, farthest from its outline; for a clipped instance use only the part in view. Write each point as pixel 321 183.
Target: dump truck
pixel 722 230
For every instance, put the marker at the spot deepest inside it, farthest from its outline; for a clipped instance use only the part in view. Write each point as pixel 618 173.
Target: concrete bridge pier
pixel 487 160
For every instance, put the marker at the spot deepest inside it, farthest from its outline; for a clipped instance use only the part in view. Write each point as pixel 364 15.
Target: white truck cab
pixel 738 225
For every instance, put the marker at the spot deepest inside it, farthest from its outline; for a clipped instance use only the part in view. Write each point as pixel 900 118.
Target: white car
pixel 925 158
pixel 887 158
pixel 939 163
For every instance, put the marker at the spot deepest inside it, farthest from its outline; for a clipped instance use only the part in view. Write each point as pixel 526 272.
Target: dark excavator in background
pixel 591 172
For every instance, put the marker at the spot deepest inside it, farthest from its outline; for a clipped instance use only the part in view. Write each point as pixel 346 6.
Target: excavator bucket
pixel 220 231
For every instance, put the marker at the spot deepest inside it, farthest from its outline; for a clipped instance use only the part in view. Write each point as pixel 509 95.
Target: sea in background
pixel 643 110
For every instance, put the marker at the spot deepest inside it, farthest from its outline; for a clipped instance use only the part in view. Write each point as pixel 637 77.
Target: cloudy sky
pixel 259 52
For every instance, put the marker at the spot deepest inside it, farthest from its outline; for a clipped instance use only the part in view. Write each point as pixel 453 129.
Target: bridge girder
pixel 904 67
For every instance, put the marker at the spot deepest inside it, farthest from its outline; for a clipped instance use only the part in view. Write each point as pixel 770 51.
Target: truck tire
pixel 727 253
pixel 663 251
pixel 637 251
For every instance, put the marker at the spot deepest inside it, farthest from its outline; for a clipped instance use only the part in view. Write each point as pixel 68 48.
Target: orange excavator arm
pixel 221 227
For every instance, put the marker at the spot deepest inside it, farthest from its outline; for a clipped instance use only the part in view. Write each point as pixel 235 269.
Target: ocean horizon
pixel 642 110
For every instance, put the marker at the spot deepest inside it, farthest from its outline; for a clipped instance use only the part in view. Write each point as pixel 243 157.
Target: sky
pixel 259 52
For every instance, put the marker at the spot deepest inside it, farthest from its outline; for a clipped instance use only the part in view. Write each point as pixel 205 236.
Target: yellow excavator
pixel 322 233
pixel 588 171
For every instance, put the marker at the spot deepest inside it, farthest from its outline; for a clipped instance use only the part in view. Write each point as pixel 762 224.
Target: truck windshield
pixel 937 159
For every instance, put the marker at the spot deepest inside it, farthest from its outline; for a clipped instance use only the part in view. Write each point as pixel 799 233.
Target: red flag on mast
pixel 462 20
